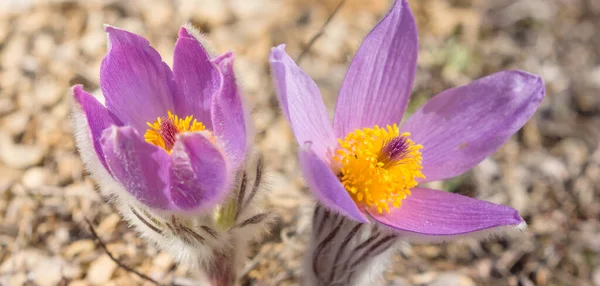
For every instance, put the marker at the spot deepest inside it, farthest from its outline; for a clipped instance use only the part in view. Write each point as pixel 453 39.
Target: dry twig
pixel 320 33
pixel 114 259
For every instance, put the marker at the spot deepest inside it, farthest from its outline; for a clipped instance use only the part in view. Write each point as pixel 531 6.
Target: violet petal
pixel 301 103
pixel 326 186
pixel 462 126
pixel 140 167
pixel 218 59
pixel 137 84
pixel 97 116
pixel 379 81
pixel 437 215
pixel 198 174
pixel 228 115
pixel 197 78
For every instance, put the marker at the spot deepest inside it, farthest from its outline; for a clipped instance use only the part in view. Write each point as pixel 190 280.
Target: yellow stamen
pixel 379 166
pixel 163 131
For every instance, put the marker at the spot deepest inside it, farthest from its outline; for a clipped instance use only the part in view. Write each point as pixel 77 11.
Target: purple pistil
pixel 168 132
pixel 393 151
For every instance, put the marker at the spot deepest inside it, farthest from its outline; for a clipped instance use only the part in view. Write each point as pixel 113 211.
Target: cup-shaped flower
pixel 172 139
pixel 368 168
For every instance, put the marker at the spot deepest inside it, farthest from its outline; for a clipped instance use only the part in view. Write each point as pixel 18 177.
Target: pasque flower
pixel 169 150
pixel 367 167
pixel 172 139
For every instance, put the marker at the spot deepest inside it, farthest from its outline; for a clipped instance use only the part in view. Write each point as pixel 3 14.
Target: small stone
pixel 158 14
pixel 43 46
pixel 13 52
pixel 4 30
pixel 541 276
pixel 253 9
pixel 212 12
pixel 452 279
pixel 108 225
pixel 93 42
pixel 6 104
pixel 79 247
pixel 17 279
pixel 163 261
pixel 19 156
pixel 24 259
pixel 399 282
pixel 554 168
pixel 596 276
pixel 48 272
pixel 15 122
pixel 101 270
pixel 7 177
pixel 72 271
pixel 47 92
pixel 70 168
pixel 79 283
pixel 34 177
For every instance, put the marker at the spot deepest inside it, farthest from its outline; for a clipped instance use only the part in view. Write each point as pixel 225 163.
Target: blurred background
pixel 549 171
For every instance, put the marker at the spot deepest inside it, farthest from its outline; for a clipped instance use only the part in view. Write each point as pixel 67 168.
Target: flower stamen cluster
pixel 163 130
pixel 379 166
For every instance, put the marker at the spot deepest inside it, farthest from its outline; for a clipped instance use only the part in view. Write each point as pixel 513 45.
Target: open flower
pixel 366 166
pixel 172 139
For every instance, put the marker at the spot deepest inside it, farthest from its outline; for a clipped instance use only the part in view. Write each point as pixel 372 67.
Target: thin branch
pixel 114 259
pixel 320 33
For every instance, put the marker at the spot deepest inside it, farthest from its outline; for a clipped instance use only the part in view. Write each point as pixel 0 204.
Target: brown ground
pixel 550 171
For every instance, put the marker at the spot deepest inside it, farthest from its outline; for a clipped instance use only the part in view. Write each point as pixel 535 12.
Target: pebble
pixel 47 92
pixel 24 259
pixel 6 104
pixel 17 155
pixel 16 122
pixel 72 271
pixel 101 270
pixel 452 279
pixel 34 177
pixel 554 168
pixel 79 247
pixel 596 276
pixel 17 279
pixel 108 225
pixel 48 272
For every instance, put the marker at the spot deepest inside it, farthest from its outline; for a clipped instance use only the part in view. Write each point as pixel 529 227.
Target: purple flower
pixel 172 139
pixel 365 166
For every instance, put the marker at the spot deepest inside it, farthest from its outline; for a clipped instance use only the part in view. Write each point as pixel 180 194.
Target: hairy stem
pixel 344 252
pixel 222 270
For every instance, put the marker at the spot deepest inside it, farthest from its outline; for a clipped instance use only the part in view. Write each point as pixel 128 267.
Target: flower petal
pixel 137 84
pixel 228 115
pixel 437 215
pixel 379 81
pixel 198 175
pixel 197 78
pixel 97 116
pixel 326 186
pixel 218 59
pixel 462 126
pixel 301 102
pixel 140 167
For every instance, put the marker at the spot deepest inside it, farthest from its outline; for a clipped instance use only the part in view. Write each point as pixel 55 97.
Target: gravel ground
pixel 549 171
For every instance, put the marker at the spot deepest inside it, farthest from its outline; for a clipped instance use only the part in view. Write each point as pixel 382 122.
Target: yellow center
pixel 163 131
pixel 379 166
